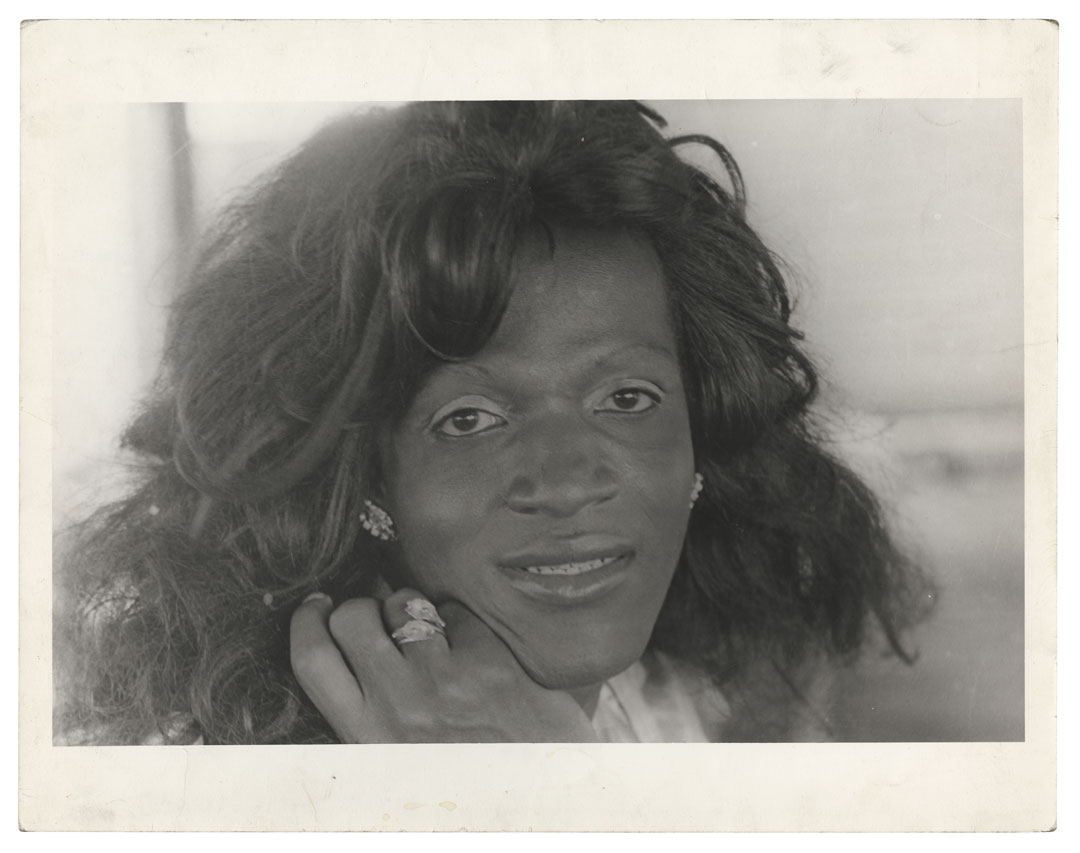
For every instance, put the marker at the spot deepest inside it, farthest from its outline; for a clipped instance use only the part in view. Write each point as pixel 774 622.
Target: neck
pixel 586 697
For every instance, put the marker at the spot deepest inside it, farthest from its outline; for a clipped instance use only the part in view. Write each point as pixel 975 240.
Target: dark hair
pixel 380 247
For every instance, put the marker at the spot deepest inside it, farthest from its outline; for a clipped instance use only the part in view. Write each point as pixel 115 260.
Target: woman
pixel 479 422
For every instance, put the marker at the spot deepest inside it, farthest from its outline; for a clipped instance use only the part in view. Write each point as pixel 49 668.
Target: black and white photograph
pixel 543 421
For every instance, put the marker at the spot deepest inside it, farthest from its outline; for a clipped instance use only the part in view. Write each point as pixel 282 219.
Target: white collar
pixel 649 702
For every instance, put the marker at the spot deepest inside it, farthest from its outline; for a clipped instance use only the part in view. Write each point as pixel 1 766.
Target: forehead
pixel 584 288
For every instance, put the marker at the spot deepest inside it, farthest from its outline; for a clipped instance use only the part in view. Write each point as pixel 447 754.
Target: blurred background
pixel 901 224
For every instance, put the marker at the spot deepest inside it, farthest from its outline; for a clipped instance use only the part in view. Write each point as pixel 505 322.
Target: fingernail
pixel 317 596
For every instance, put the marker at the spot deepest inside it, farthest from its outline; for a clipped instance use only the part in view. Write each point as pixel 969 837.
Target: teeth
pixel 570 568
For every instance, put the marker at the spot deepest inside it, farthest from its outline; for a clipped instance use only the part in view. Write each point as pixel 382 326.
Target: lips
pixel 578 570
pixel 570 568
pixel 576 553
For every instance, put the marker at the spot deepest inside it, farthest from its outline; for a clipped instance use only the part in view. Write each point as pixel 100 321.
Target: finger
pixel 470 638
pixel 320 668
pixel 465 629
pixel 357 628
pixel 407 605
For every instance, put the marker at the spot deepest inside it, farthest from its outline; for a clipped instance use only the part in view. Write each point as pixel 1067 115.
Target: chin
pixel 569 672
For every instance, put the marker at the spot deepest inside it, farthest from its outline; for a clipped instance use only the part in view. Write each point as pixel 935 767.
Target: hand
pixel 465 687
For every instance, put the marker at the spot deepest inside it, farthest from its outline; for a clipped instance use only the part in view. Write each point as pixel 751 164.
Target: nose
pixel 563 469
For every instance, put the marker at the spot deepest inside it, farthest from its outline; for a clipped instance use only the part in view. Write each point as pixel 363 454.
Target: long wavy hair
pixel 378 249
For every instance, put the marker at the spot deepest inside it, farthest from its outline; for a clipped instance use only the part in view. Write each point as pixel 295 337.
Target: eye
pixel 630 400
pixel 467 421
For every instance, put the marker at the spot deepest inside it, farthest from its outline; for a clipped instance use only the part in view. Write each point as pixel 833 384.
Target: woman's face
pixel 545 482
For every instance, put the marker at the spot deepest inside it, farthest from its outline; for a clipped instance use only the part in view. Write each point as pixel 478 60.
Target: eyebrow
pixel 452 368
pixel 656 348
pixel 591 356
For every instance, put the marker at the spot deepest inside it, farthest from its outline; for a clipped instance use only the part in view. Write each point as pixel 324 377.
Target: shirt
pixel 653 701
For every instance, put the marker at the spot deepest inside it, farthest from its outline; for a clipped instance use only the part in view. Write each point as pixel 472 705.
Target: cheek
pixel 440 510
pixel 660 468
pixel 661 483
pixel 664 501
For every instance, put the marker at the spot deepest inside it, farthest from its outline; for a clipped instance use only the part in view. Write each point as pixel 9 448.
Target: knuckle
pixel 401 596
pixel 415 718
pixel 493 676
pixel 455 693
pixel 349 615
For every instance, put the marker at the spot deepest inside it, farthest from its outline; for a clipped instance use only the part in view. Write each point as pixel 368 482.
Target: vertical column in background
pixel 123 179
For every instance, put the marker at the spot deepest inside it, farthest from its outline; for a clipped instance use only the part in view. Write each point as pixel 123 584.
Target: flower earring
pixel 695 493
pixel 377 521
